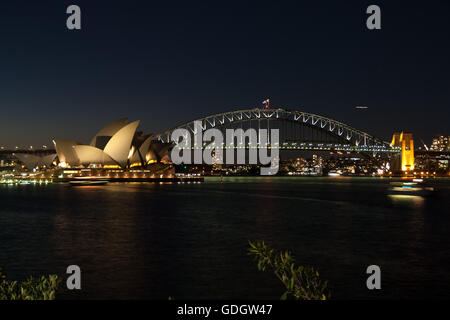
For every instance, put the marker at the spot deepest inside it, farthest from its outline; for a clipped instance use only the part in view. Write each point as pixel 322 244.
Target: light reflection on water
pixel 407 200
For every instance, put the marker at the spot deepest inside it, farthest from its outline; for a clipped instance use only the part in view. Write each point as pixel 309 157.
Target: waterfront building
pixel 433 163
pixel 33 161
pixel 116 146
pixel 440 143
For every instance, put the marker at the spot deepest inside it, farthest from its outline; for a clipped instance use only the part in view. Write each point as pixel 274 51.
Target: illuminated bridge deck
pixel 306 146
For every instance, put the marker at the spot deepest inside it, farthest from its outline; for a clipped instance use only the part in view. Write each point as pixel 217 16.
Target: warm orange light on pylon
pixel 406 142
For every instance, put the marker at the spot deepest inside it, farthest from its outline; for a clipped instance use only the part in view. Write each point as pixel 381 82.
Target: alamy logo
pixel 207 147
pixel 74 280
pixel 374 20
pixel 73 21
pixel 374 280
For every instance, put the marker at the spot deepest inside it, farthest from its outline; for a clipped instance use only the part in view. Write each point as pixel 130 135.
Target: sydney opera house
pixel 116 146
pixel 32 161
pixel 117 153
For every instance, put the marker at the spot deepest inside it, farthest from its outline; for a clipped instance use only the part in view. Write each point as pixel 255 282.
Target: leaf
pixel 291 284
pixel 302 282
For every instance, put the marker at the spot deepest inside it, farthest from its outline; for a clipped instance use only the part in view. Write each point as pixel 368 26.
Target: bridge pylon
pixel 405 161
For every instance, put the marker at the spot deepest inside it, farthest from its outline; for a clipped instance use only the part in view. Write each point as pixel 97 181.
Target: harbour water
pixel 189 241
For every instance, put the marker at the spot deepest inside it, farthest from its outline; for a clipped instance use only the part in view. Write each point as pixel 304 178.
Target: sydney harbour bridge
pixel 297 131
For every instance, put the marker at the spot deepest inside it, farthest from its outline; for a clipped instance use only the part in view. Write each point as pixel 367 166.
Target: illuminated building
pixel 433 163
pixel 440 143
pixel 32 161
pixel 116 146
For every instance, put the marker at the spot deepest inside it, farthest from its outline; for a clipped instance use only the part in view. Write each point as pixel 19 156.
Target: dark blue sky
pixel 168 62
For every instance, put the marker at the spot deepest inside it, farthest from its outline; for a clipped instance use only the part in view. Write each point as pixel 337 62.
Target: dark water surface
pixel 152 241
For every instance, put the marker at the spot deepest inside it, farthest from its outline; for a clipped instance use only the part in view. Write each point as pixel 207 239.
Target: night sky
pixel 166 63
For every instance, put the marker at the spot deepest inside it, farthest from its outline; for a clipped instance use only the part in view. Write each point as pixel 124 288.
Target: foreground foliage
pixel 42 288
pixel 300 282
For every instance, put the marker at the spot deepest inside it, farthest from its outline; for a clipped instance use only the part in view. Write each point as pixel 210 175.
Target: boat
pixel 88 181
pixel 414 187
pixel 334 174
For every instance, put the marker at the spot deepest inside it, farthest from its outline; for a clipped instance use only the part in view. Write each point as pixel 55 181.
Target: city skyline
pixel 168 65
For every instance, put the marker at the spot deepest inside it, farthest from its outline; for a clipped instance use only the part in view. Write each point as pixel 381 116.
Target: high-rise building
pixel 440 143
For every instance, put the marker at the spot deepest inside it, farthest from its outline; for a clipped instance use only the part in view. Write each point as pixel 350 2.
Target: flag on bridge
pixel 266 103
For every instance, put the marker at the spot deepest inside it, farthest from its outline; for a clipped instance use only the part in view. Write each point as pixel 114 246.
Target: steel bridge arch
pixel 347 133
